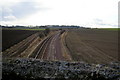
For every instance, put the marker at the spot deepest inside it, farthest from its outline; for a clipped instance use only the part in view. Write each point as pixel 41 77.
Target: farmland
pixel 39 45
pixel 93 45
pixel 115 29
pixel 12 36
pixel 61 53
pixel 88 45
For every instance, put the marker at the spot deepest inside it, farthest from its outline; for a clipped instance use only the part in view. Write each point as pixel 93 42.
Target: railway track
pixel 49 49
pixel 40 50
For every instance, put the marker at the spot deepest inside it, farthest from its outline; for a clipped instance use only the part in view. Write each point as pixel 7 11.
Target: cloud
pixel 62 12
pixel 24 9
pixel 98 21
pixel 110 25
pixel 20 10
pixel 8 3
pixel 9 18
pixel 101 22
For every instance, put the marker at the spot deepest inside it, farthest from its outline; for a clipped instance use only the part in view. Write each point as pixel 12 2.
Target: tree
pixel 47 30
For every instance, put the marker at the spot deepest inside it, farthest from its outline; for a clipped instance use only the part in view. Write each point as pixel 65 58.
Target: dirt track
pixel 92 45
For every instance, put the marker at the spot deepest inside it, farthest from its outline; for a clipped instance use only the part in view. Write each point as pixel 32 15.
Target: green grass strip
pixel 21 29
pixel 114 29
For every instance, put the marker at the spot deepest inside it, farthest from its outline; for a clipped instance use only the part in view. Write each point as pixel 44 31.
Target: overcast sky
pixel 89 13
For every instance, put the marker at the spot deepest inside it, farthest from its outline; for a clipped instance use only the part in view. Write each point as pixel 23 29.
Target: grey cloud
pixel 9 18
pixel 108 25
pixel 24 9
pixel 20 10
pixel 98 20
pixel 101 22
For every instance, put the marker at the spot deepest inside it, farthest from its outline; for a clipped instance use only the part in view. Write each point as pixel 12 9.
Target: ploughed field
pixel 11 37
pixel 88 45
pixel 92 45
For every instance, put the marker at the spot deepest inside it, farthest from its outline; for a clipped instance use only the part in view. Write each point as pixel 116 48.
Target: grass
pixel 114 29
pixel 21 29
pixel 33 29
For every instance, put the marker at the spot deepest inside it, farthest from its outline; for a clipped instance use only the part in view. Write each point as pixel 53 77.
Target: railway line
pixel 49 49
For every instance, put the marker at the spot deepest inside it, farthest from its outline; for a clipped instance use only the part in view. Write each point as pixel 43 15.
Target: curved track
pixel 49 49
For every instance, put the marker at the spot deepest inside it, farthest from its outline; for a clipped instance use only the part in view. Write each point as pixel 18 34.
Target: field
pixel 92 45
pixel 24 29
pixel 13 36
pixel 71 53
pixel 89 45
pixel 115 29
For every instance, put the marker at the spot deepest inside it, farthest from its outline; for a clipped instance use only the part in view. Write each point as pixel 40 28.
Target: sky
pixel 86 13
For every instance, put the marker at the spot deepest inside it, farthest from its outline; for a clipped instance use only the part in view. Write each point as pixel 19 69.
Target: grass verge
pixel 21 29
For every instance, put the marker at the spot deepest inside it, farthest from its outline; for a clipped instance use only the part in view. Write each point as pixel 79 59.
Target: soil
pixel 12 37
pixel 92 45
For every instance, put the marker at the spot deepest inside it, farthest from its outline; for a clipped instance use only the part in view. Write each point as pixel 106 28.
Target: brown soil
pixel 20 49
pixel 27 47
pixel 11 37
pixel 65 51
pixel 92 45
